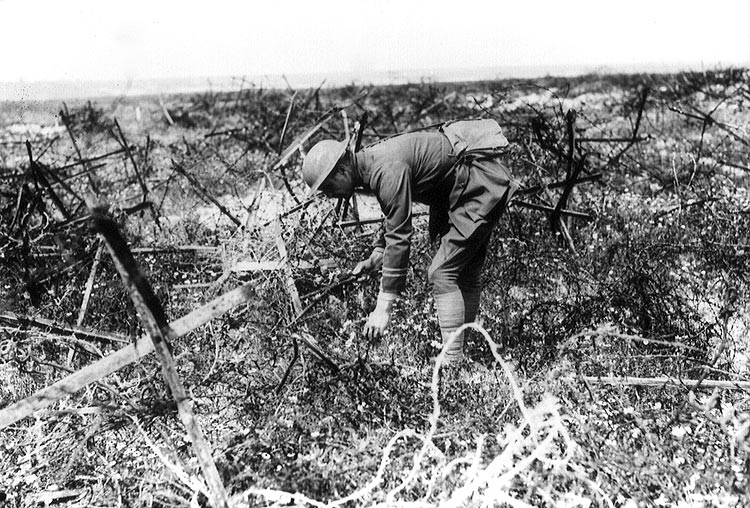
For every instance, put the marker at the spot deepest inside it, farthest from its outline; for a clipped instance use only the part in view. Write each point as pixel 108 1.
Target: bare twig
pixel 207 195
pixel 39 176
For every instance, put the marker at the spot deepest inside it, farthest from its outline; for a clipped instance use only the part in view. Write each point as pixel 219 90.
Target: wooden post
pixel 574 167
pixel 86 297
pixel 120 137
pixel 299 311
pixel 86 164
pixel 155 323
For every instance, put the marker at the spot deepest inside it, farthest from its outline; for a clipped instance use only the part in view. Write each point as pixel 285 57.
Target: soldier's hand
pixel 372 263
pixel 377 323
pixel 362 266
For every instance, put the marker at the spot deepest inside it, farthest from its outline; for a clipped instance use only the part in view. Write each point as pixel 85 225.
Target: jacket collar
pixel 360 170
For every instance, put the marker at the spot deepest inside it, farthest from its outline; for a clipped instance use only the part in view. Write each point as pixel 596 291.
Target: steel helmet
pixel 321 160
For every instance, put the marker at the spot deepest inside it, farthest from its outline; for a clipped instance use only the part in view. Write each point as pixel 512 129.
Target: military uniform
pixel 457 173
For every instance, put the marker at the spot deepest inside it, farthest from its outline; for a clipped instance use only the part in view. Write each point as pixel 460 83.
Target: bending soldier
pixel 456 171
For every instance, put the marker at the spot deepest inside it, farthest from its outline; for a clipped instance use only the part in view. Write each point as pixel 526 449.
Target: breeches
pixel 458 262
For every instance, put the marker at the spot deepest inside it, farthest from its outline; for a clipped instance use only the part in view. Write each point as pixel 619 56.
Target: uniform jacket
pixel 456 172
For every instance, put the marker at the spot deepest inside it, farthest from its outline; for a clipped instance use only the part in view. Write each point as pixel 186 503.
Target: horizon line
pixel 50 90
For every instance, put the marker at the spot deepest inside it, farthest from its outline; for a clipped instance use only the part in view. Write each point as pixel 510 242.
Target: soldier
pixel 457 173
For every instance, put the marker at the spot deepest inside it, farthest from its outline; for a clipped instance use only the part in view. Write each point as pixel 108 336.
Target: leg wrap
pixel 471 304
pixel 450 311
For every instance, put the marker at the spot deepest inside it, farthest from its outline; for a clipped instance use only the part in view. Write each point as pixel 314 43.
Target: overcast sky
pixel 104 40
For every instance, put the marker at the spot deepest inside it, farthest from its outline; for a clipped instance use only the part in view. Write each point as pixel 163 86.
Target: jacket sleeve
pixel 392 186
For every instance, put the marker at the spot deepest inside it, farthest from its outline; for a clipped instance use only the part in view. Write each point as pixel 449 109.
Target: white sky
pixel 105 40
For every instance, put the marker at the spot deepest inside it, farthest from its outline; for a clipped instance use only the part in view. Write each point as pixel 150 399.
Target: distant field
pixel 71 90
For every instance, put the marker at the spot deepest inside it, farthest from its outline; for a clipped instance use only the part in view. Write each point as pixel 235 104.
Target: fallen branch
pixel 60 329
pixel 174 249
pixel 267 266
pixel 667 381
pixel 549 209
pixel 636 139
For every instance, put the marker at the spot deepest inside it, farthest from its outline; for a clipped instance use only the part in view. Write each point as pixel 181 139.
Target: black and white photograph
pixel 407 254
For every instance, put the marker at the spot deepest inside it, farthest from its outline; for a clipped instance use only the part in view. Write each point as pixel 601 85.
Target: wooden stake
pixel 555 225
pixel 86 297
pixel 155 323
pixel 89 170
pixel 286 123
pixel 165 111
pixel 124 144
pixel 89 285
pixel 299 311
